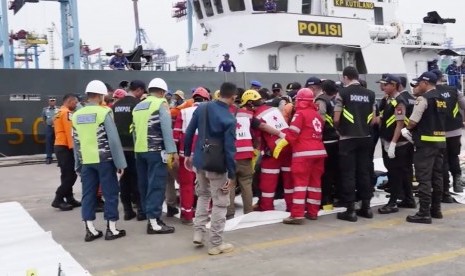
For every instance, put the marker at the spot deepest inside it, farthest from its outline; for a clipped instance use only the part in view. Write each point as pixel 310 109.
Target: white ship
pixel 313 36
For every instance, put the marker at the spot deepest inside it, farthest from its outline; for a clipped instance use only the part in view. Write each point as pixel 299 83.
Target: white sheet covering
pixel 26 249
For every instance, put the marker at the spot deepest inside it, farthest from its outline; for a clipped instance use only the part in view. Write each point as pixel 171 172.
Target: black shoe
pixel 110 236
pixel 172 211
pixel 436 214
pixel 447 199
pixel 228 217
pixel 366 213
pixel 128 215
pixel 407 204
pixel 141 216
pixel 165 229
pixel 48 161
pixel 348 216
pixel 419 218
pixel 388 209
pixel 90 237
pixel 71 200
pixel 62 205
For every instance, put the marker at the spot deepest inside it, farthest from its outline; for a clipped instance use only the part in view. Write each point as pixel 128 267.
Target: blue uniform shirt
pixel 119 62
pixel 227 65
pixel 221 125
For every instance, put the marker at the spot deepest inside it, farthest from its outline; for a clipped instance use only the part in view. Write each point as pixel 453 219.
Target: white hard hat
pixel 158 83
pixel 97 87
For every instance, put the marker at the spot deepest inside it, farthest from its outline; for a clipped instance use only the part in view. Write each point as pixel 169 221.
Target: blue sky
pixel 105 23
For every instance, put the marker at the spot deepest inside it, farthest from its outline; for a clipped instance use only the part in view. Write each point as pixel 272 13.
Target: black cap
pixel 276 85
pixel 313 81
pixel 437 72
pixel 119 50
pixel 427 76
pixel 389 78
pixel 293 86
pixel 137 84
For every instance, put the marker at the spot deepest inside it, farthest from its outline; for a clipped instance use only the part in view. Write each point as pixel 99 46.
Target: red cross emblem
pixel 275 118
pixel 238 126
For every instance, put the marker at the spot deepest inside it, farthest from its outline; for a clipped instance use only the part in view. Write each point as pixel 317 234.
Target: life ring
pixel 398 28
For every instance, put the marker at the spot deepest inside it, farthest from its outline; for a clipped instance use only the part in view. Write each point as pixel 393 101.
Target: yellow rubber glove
pixel 282 143
pixel 256 153
pixel 170 161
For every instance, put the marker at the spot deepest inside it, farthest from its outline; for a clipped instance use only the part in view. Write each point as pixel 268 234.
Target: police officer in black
pixel 427 130
pixel 326 102
pixel 395 146
pixel 276 99
pixel 353 115
pixel 455 101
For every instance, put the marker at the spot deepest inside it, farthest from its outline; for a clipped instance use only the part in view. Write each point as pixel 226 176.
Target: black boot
pixel 71 200
pixel 349 214
pixel 60 203
pixel 172 211
pixel 365 211
pixel 128 212
pixel 458 188
pixel 423 215
pixel 161 228
pixel 90 236
pixel 436 206
pixel 109 235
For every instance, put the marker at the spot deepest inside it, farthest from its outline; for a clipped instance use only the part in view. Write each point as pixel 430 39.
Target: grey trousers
pixel 244 177
pixel 209 188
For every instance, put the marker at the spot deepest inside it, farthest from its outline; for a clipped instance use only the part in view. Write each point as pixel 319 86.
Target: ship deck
pixel 383 245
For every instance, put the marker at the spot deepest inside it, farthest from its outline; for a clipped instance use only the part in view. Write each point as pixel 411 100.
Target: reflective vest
pixel 146 118
pixel 186 117
pixel 388 125
pixel 244 142
pixel 357 111
pixel 453 115
pixel 329 132
pixel 272 117
pixel 430 131
pixel 90 134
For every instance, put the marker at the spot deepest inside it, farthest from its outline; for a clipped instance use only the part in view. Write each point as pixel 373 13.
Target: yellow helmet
pixel 250 95
pixel 216 95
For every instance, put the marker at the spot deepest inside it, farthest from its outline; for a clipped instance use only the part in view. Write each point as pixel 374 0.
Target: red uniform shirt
pixel 244 141
pixel 182 121
pixel 272 117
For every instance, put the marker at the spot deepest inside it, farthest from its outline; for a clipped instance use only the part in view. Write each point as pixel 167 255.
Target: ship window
pixel 198 10
pixel 259 5
pixel 379 20
pixel 236 5
pixel 207 4
pixel 306 6
pixel 219 6
pixel 273 62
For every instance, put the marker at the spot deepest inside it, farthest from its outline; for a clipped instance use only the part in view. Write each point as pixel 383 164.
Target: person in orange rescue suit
pixel 270 167
pixel 305 135
pixel 186 178
pixel 245 153
pixel 64 152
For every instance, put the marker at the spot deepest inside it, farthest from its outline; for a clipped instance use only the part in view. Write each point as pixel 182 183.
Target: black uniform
pixel 330 177
pixel 122 110
pixel 399 168
pixel 453 127
pixel 356 104
pixel 430 141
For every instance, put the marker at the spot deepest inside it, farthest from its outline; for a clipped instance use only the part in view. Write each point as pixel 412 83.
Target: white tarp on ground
pixel 26 249
pixel 253 219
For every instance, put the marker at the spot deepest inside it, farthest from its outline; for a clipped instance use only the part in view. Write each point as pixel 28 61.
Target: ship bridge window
pixel 198 9
pixel 259 5
pixel 219 6
pixel 236 5
pixel 207 4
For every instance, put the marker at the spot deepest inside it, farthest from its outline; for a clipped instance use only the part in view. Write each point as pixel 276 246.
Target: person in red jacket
pixel 270 167
pixel 186 178
pixel 305 135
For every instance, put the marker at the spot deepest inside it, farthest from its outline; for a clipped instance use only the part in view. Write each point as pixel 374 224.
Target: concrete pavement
pixel 383 245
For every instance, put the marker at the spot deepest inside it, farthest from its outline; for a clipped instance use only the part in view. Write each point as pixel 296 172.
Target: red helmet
pixel 202 92
pixel 305 94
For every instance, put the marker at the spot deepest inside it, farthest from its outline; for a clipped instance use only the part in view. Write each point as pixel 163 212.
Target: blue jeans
pixel 151 174
pixel 49 141
pixel 104 174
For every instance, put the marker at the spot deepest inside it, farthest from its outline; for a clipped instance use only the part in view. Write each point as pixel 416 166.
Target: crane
pixel 26 41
